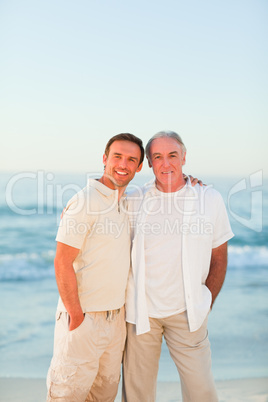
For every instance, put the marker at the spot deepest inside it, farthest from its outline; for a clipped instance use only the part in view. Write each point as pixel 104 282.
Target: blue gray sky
pixel 75 73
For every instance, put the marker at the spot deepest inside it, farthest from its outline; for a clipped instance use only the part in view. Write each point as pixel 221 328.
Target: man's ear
pixel 149 163
pixel 104 159
pixel 184 159
pixel 139 168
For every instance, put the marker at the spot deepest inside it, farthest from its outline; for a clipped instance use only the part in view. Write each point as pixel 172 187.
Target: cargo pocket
pixel 70 382
pixel 62 382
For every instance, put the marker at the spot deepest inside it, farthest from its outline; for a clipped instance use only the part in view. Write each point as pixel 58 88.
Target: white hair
pixel 164 134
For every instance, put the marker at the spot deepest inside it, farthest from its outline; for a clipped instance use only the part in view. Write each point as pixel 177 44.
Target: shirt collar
pixel 104 189
pixel 151 188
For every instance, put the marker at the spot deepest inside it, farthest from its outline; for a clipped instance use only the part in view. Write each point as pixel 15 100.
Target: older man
pixel 179 260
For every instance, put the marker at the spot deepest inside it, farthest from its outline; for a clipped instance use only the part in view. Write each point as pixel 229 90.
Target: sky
pixel 75 73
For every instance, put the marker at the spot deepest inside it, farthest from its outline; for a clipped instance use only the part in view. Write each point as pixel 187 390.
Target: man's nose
pixel 123 163
pixel 166 162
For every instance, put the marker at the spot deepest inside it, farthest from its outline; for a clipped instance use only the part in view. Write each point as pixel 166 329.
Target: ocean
pixel 30 206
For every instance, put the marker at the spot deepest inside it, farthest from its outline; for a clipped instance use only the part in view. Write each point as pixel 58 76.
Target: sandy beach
pixel 244 390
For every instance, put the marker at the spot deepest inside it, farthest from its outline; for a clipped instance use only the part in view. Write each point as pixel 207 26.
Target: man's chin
pixel 121 183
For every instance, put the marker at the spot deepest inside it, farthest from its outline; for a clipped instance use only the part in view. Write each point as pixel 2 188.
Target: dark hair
pixel 125 137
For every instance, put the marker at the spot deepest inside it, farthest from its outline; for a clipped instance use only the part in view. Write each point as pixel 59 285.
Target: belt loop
pixel 111 314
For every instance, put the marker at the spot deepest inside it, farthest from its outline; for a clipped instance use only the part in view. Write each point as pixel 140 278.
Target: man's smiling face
pixel 122 163
pixel 167 159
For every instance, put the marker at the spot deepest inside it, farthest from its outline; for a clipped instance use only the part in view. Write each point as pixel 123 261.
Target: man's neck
pixel 170 187
pixel 108 183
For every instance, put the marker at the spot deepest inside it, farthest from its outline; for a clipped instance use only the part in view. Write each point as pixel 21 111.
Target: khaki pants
pixel 87 361
pixel 190 352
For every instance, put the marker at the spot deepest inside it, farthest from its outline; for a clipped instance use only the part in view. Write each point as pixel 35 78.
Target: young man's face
pixel 167 159
pixel 122 163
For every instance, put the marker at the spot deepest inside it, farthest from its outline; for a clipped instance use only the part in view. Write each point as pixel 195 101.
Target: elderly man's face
pixel 167 159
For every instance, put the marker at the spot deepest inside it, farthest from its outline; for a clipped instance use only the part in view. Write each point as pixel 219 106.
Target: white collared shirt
pixel 204 225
